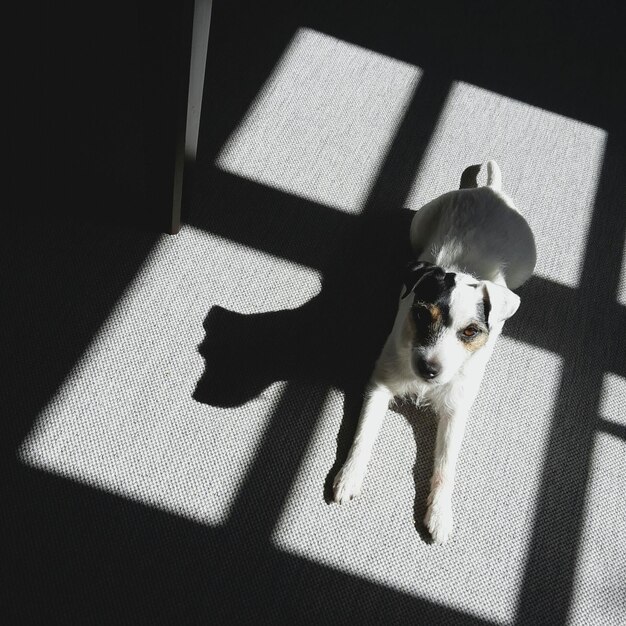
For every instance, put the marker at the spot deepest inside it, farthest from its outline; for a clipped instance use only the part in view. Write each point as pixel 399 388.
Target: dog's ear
pixel 500 302
pixel 414 273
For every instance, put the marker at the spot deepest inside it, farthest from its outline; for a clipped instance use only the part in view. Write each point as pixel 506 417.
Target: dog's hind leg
pixel 348 481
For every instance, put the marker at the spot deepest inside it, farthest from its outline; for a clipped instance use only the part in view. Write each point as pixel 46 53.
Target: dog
pixel 472 247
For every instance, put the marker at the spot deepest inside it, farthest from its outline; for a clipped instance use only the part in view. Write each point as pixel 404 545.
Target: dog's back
pixel 477 230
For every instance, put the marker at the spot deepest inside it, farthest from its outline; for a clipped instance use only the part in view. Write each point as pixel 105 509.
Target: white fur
pixel 479 235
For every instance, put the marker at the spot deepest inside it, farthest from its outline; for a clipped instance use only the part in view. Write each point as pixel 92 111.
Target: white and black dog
pixel 473 247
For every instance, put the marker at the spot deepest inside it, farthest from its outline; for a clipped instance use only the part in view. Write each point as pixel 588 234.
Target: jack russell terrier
pixel 472 248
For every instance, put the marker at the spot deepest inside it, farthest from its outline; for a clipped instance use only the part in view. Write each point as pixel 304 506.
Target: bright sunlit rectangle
pixel 320 127
pixel 481 570
pixel 550 165
pixel 124 420
pixel 600 582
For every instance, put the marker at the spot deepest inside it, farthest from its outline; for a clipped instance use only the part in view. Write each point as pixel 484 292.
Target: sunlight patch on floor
pixel 500 473
pixel 612 401
pixel 600 580
pixel 124 420
pixel 321 126
pixel 551 175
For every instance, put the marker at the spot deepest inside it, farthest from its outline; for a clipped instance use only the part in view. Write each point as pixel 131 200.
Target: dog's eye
pixel 471 331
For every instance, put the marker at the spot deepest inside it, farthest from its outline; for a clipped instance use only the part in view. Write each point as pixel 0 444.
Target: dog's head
pixel 451 318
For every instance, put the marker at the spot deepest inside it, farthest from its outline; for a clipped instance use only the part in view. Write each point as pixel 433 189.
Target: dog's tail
pixel 494 176
pixel 469 179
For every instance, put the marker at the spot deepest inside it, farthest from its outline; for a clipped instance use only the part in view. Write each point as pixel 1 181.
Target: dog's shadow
pixel 333 339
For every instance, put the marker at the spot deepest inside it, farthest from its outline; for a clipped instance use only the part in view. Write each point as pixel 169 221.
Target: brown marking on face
pixel 476 342
pixel 427 322
pixel 435 312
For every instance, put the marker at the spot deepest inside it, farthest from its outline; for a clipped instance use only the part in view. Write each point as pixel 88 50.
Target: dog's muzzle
pixel 427 369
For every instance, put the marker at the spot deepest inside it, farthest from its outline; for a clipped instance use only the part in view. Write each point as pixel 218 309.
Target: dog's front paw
pixel 439 521
pixel 347 483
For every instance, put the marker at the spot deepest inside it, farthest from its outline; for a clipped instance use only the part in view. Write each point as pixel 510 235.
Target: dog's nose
pixel 428 369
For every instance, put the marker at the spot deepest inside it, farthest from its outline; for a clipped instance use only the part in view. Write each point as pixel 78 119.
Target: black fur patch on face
pixel 431 305
pixel 427 322
pixel 435 290
pixel 486 309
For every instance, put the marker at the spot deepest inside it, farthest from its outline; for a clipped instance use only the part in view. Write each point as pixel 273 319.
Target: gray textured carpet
pixel 195 392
